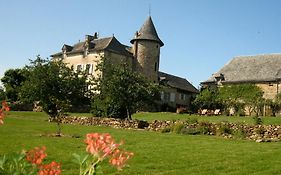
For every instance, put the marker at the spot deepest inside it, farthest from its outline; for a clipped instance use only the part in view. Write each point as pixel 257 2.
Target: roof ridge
pixel 265 54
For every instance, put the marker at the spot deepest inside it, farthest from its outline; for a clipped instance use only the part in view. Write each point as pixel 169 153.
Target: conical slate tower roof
pixel 148 32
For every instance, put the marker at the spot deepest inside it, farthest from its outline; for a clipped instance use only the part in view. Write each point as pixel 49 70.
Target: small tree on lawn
pixel 56 86
pixel 120 91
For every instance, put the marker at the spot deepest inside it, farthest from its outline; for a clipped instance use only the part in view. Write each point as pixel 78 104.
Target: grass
pixel 215 119
pixel 155 153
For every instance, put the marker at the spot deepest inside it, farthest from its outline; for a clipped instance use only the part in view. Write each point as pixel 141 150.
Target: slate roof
pixel 176 82
pixel 148 32
pixel 109 43
pixel 258 68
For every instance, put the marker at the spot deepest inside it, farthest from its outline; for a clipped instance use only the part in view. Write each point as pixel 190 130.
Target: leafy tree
pixel 12 81
pixel 208 98
pixel 242 96
pixel 275 104
pixel 56 86
pixel 2 94
pixel 121 91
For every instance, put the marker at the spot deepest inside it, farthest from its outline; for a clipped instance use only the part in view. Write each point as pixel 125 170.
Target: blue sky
pixel 200 36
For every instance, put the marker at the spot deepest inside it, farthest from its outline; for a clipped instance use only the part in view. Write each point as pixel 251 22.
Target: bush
pixel 177 128
pixel 257 120
pixel 240 133
pixel 224 128
pixel 206 128
pixel 20 106
pixel 166 130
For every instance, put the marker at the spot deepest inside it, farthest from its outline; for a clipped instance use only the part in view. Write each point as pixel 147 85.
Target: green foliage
pixel 56 86
pixel 257 120
pixel 224 129
pixel 205 127
pixel 16 164
pixel 240 133
pixel 165 130
pixel 208 98
pixel 2 94
pixel 12 81
pixel 178 127
pixel 121 91
pixel 191 120
pixel 240 96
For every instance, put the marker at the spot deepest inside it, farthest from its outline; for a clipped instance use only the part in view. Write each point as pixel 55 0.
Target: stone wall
pixel 258 133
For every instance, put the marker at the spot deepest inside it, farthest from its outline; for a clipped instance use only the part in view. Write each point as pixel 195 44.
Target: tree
pixel 2 94
pixel 208 98
pixel 12 81
pixel 241 97
pixel 56 86
pixel 121 91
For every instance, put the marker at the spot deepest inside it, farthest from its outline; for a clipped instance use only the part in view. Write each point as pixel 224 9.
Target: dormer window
pixel 219 77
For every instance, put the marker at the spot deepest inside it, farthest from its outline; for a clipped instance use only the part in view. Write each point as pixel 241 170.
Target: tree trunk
pixel 129 114
pixel 58 126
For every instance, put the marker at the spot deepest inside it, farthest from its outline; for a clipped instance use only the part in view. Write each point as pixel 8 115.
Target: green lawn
pixel 216 119
pixel 155 153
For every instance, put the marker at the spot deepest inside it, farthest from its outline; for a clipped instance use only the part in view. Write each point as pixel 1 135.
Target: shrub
pixel 240 133
pixel 224 129
pixel 257 120
pixel 166 130
pixel 177 127
pixel 206 128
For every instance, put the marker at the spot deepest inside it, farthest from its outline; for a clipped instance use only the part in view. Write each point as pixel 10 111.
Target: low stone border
pixel 259 133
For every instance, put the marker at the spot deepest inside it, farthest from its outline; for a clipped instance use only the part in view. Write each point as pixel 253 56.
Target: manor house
pixel 142 56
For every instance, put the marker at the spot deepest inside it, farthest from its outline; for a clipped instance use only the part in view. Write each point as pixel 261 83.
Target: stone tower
pixel 146 50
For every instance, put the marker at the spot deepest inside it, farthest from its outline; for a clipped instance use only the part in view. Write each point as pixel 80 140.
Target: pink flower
pixel 5 107
pixel 36 155
pixel 119 158
pixel 52 168
pixel 1 117
pixel 100 145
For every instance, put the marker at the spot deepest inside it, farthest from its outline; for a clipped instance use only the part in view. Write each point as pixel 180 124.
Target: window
pixel 79 67
pixel 182 96
pixel 88 68
pixel 172 97
pixel 155 66
pixel 166 96
pixel 162 95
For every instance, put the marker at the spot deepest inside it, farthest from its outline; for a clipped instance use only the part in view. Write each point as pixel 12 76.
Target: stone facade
pixel 270 89
pixel 147 55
